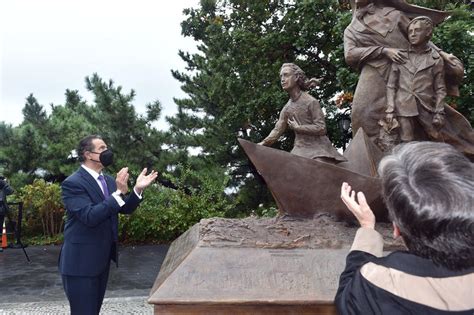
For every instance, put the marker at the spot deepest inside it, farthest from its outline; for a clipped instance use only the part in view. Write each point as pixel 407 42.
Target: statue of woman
pixel 303 114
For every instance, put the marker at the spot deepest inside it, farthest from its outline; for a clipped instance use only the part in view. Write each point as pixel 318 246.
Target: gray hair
pixel 428 189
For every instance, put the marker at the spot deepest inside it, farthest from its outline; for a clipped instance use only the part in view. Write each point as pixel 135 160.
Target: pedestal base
pixel 239 309
pixel 252 266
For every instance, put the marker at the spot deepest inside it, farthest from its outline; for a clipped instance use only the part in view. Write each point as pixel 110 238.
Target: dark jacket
pixel 400 283
pixel 5 190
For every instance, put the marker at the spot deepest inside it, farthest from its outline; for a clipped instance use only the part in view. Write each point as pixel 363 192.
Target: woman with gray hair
pixel 428 189
pixel 303 114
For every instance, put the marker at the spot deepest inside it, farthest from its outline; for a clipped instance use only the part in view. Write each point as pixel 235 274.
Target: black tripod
pixel 16 227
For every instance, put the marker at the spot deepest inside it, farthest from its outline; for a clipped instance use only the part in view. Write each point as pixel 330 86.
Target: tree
pixel 33 112
pixel 44 145
pixel 135 142
pixel 456 36
pixel 21 150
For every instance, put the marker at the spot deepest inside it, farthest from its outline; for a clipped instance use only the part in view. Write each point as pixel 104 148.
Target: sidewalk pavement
pixel 36 287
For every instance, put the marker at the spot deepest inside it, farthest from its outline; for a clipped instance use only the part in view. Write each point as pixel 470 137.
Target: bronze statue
pixel 413 83
pixel 375 43
pixel 303 114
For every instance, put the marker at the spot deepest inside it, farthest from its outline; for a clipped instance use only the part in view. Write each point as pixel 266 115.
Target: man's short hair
pixel 428 189
pixel 86 145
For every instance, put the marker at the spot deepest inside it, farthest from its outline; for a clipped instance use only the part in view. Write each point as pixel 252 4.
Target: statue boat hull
pixel 304 187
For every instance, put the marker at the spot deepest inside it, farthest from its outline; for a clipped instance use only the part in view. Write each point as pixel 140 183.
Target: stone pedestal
pixel 254 266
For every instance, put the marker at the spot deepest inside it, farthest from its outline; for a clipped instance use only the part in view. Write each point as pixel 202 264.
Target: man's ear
pixel 396 231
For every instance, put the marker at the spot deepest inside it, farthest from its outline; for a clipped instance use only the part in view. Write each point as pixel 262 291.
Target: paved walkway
pixel 36 288
pixel 111 306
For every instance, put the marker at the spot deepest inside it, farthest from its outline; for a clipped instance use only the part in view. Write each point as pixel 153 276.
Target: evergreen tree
pixel 135 142
pixel 33 112
pixel 44 145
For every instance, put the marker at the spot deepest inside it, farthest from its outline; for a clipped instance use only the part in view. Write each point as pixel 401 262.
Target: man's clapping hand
pixel 143 180
pixel 122 180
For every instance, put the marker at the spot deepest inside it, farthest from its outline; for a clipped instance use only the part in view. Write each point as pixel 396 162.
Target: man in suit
pixel 93 201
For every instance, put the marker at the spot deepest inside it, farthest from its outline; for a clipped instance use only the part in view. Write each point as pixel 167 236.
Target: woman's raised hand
pixel 359 208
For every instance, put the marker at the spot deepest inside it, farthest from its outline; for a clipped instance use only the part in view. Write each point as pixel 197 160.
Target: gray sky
pixel 48 46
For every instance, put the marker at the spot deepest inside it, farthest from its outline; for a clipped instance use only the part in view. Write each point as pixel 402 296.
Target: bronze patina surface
pixel 302 114
pixel 303 187
pixel 396 72
pixel 256 266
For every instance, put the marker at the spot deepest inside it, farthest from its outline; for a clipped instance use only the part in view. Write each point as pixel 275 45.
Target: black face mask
pixel 106 157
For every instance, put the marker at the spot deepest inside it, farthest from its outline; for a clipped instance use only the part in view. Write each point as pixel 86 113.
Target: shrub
pixel 44 210
pixel 166 213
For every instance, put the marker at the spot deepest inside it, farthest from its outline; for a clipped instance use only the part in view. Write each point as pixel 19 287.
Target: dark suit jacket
pixel 89 230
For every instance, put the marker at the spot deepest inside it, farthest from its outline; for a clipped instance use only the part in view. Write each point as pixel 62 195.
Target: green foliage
pixel 439 4
pixel 456 36
pixel 44 240
pixel 269 212
pixel 33 112
pixel 123 128
pixel 43 208
pixel 24 153
pixel 43 145
pixel 166 213
pixel 46 150
pixel 19 180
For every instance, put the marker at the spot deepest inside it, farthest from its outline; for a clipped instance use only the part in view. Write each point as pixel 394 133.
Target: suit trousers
pixel 85 294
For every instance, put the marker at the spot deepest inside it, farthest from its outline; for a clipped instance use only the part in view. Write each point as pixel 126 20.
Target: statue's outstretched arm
pixel 277 131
